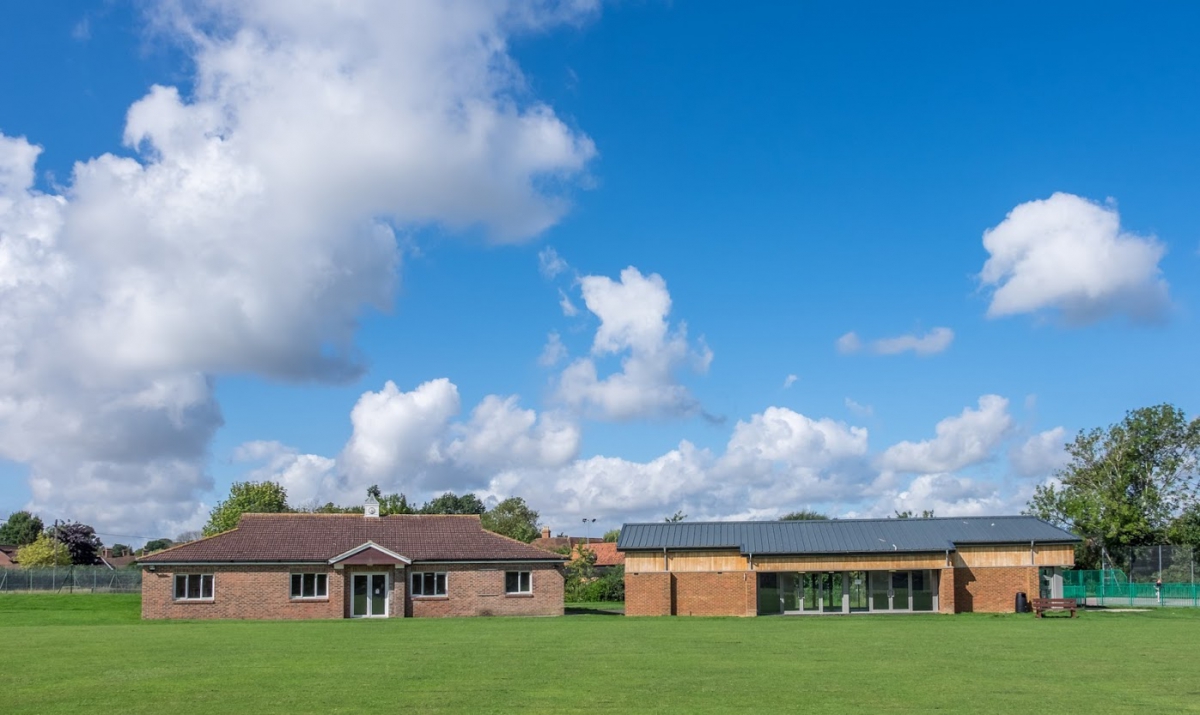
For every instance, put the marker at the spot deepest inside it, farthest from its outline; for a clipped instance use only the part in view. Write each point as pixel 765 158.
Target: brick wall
pixel 478 590
pixel 946 588
pixel 691 593
pixel 648 594
pixel 264 592
pixel 730 593
pixel 251 592
pixel 992 589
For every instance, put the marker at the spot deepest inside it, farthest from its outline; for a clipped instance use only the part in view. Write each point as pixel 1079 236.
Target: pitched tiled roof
pixel 320 537
pixel 842 535
pixel 606 553
pixel 556 543
pixel 118 562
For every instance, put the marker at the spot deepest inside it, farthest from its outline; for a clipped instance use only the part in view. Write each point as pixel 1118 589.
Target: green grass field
pixel 91 654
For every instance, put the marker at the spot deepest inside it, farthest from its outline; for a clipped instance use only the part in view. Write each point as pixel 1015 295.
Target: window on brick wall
pixel 518 582
pixel 310 585
pixel 429 583
pixel 193 587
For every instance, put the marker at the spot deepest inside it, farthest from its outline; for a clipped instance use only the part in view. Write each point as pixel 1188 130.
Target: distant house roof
pixel 606 553
pixel 8 555
pixel 558 543
pixel 841 535
pixel 117 562
pixel 313 538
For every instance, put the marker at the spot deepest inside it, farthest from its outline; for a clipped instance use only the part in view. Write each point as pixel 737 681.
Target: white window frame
pixel 526 576
pixel 437 575
pixel 317 578
pixel 212 587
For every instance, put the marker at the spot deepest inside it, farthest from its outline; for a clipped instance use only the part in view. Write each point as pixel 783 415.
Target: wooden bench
pixel 1041 605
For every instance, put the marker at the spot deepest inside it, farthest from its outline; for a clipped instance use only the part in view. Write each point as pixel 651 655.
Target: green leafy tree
pixel 804 515
pixel 1185 529
pixel 331 508
pixel 120 550
pixel 246 498
pixel 44 551
pixel 389 503
pixel 676 517
pixel 81 542
pixel 157 545
pixel 581 571
pixel 21 528
pixel 1126 485
pixel 512 518
pixel 450 503
pixel 612 536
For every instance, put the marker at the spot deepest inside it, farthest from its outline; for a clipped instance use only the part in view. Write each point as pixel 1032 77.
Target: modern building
pixel 294 566
pixel 841 566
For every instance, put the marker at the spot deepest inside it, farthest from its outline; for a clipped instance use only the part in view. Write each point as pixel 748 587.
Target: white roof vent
pixel 371 508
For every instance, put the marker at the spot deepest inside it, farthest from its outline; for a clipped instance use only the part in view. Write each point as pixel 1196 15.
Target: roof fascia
pixel 364 547
pixel 148 564
pixel 488 561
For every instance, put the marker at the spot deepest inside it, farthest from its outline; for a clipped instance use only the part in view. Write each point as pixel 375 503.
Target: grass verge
pixel 70 654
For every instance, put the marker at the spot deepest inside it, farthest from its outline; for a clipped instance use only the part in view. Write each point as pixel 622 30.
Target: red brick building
pixel 293 566
pixel 842 566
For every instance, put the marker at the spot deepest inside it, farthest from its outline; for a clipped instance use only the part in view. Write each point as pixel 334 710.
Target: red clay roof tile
pixel 320 537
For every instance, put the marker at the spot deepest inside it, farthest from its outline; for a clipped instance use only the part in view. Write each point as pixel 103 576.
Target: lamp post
pixel 587 529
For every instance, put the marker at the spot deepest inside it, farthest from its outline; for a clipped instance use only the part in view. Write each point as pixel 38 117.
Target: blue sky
pixel 309 216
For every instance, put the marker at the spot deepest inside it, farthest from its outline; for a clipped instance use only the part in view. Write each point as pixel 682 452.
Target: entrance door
pixel 789 592
pixel 857 585
pixel 810 600
pixel 900 591
pixel 369 595
pixel 831 592
pixel 768 594
pixel 880 600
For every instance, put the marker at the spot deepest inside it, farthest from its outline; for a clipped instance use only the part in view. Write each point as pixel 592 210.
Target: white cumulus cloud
pixel 968 438
pixel 849 343
pixel 633 313
pixel 1041 454
pixel 550 264
pixel 248 226
pixel 931 343
pixel 1071 255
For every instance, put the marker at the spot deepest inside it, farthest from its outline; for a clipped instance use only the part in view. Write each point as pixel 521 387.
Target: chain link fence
pixel 71 579
pixel 1141 576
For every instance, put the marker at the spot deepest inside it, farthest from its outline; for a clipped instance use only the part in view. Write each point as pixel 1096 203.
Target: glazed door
pixel 369 595
pixel 880 591
pixel 900 591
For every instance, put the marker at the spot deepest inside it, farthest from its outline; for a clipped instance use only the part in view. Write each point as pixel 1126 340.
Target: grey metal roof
pixel 841 535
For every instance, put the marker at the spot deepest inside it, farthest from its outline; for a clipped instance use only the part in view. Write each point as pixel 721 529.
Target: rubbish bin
pixel 1022 602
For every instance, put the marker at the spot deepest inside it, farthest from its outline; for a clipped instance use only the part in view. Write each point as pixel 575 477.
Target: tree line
pixel 512 517
pixel 1131 484
pixel 65 544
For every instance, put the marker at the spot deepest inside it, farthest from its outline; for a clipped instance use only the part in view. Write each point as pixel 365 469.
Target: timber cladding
pixel 1015 555
pixel 850 562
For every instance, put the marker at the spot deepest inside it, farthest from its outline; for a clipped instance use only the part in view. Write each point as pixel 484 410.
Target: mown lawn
pixel 91 654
